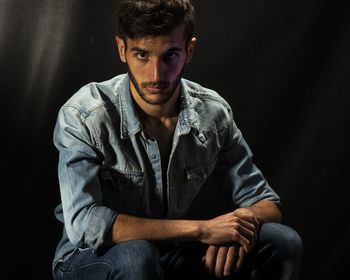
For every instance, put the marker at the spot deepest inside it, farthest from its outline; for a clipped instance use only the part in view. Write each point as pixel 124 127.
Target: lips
pixel 155 89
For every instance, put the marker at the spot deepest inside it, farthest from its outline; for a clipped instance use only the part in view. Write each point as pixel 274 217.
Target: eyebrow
pixel 174 49
pixel 136 49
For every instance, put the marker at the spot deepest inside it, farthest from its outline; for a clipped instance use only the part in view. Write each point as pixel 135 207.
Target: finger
pixel 230 260
pixel 239 238
pixel 247 215
pixel 220 261
pixel 240 258
pixel 246 236
pixel 247 224
pixel 210 259
pixel 251 219
pixel 248 228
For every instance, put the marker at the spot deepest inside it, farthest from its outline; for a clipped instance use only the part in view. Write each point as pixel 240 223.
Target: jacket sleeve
pixel 86 220
pixel 235 171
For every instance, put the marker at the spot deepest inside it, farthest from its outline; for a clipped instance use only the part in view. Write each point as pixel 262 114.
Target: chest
pixel 164 137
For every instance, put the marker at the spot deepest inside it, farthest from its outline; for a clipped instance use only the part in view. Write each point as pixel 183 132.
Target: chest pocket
pixel 200 172
pixel 123 191
pixel 195 177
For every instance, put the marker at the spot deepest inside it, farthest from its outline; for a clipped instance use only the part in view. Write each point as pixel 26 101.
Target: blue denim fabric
pixel 107 165
pixel 275 256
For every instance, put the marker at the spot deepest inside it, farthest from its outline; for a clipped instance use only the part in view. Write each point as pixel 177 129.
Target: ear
pixel 190 48
pixel 121 48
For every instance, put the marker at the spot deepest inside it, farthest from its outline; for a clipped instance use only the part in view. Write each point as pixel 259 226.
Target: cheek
pixel 175 70
pixel 137 72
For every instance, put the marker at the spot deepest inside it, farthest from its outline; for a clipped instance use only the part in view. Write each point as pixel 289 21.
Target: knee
pixel 138 259
pixel 286 242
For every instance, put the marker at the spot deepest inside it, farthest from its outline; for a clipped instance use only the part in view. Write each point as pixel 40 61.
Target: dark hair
pixel 139 18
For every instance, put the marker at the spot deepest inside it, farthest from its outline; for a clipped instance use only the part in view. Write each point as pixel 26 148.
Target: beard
pixel 160 97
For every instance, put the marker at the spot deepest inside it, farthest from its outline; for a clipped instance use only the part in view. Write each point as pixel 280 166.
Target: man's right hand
pixel 229 229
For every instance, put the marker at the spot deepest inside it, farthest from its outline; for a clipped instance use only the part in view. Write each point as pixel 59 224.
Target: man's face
pixel 156 64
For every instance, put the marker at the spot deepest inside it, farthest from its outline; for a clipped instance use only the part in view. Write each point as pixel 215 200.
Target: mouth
pixel 155 89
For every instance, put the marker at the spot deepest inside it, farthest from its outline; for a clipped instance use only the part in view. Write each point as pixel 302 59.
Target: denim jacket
pixel 107 165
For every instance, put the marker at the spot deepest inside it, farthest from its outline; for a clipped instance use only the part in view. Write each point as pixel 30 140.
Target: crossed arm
pixel 229 237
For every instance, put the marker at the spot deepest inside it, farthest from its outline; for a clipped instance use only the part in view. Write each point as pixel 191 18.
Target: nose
pixel 155 69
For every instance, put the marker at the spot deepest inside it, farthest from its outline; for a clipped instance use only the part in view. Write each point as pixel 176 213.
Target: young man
pixel 134 152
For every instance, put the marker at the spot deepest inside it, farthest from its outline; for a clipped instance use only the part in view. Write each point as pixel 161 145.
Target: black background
pixel 282 65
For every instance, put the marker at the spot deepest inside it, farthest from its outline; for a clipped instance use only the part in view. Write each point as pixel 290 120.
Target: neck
pixel 163 111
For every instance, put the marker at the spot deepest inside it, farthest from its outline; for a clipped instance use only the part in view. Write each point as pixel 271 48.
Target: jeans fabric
pixel 275 256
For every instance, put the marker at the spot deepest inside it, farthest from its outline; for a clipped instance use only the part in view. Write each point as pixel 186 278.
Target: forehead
pixel 175 38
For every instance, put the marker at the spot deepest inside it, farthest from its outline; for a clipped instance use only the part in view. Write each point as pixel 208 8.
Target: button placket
pixel 154 157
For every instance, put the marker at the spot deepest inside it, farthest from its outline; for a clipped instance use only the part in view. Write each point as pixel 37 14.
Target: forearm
pixel 266 211
pixel 219 230
pixel 128 227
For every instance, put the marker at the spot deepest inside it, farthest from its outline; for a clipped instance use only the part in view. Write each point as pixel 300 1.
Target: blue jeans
pixel 276 255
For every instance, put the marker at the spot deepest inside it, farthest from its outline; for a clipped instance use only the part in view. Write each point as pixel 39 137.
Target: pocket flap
pixel 200 172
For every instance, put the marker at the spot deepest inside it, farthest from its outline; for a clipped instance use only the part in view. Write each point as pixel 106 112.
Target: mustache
pixel 155 84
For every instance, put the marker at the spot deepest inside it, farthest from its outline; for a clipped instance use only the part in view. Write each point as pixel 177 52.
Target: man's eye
pixel 170 56
pixel 141 55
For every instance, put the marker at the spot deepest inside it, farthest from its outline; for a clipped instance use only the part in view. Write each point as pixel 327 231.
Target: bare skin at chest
pixel 162 130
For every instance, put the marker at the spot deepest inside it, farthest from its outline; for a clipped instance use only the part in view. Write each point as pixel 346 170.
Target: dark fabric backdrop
pixel 282 65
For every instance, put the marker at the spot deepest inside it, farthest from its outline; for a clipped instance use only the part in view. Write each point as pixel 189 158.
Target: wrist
pixel 200 230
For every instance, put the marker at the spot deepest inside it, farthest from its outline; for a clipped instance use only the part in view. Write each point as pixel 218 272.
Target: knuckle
pixel 234 235
pixel 235 224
